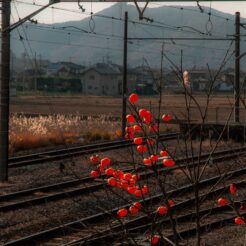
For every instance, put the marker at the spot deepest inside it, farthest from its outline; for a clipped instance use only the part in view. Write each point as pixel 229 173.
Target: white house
pixel 105 79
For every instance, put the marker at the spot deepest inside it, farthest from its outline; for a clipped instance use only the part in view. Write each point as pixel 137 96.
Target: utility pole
pixel 237 68
pixel 124 84
pixel 4 90
pixel 6 28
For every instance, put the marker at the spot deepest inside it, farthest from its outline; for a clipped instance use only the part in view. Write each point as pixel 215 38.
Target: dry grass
pixel 35 132
pixel 27 132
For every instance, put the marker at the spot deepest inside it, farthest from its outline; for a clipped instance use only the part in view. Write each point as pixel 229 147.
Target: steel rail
pixel 111 235
pixel 142 223
pixel 85 222
pixel 89 187
pixel 37 158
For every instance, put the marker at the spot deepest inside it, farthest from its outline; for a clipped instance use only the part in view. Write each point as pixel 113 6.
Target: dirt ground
pixel 220 105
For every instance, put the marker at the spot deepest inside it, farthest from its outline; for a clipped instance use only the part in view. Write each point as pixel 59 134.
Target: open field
pixel 219 110
pixel 93 105
pixel 40 131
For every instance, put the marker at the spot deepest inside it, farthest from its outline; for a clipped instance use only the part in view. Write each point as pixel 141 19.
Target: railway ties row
pixel 70 232
pixel 78 230
pixel 143 223
pixel 111 236
pixel 83 186
pixel 61 154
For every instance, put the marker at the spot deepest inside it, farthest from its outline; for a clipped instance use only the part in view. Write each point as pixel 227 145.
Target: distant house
pixel 199 79
pixel 228 76
pixel 225 87
pixel 61 77
pixel 145 89
pixel 227 80
pixel 64 69
pixel 32 72
pixel 146 79
pixel 171 82
pixel 144 75
pixel 56 84
pixel 27 79
pixel 105 79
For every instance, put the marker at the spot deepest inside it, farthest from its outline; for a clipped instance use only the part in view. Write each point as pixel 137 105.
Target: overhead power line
pixel 25 34
pixel 64 30
pixel 69 29
pixel 157 25
pixel 65 44
pixel 188 39
pixel 196 11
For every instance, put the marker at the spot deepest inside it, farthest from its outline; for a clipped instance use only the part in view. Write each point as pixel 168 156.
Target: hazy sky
pixel 54 16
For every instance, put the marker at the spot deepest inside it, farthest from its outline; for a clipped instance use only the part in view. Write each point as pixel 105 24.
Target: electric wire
pixel 76 30
pixel 195 10
pixel 22 39
pixel 133 22
pixel 66 44
pixel 25 34
pixel 61 29
pixel 158 25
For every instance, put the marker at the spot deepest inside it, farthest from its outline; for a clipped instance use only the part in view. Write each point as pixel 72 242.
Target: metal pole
pixel 124 84
pixel 4 91
pixel 237 68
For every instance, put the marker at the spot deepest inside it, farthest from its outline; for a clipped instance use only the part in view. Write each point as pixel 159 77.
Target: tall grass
pixel 33 132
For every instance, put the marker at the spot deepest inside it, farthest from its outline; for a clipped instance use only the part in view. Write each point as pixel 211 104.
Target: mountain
pixel 74 45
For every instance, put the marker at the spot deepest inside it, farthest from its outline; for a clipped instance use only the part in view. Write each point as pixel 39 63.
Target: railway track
pixel 73 229
pixel 143 223
pixel 25 198
pixel 110 235
pixel 37 158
